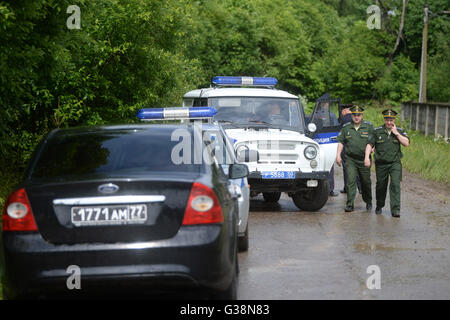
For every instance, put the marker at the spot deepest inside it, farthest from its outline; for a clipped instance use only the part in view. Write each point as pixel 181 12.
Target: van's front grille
pixel 275 152
pixel 277 157
pixel 279 145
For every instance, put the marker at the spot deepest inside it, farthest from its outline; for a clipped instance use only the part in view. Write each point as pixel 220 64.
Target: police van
pixel 219 147
pixel 269 133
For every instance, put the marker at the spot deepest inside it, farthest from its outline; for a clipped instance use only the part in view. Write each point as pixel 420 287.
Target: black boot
pixel 378 210
pixel 349 209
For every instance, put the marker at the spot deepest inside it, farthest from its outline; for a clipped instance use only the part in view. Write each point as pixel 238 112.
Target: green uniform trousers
pixel 383 172
pixel 355 167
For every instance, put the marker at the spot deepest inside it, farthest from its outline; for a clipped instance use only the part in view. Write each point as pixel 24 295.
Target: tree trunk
pixel 399 35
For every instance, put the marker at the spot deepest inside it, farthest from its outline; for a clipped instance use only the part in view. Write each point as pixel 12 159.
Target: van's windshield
pixel 259 112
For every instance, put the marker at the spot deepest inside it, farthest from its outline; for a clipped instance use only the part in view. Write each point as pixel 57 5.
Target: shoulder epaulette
pixel 380 127
pixel 368 122
pixel 346 124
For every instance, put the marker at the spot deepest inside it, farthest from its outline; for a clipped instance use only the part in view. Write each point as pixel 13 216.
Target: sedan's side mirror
pixel 237 171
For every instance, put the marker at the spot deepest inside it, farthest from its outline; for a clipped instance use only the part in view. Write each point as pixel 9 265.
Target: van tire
pixel 314 199
pixel 272 197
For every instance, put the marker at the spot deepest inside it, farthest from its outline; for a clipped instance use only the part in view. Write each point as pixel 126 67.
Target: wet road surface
pixel 325 255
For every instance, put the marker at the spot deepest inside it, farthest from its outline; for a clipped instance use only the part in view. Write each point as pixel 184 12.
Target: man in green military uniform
pixel 387 140
pixel 354 136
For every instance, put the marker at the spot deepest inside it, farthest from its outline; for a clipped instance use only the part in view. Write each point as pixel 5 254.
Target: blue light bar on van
pixel 245 81
pixel 176 113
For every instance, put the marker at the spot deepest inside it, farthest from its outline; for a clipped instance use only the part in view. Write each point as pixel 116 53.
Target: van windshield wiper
pixel 259 122
pixel 228 122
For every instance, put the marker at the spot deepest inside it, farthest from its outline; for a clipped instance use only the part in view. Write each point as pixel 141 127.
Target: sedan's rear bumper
pixel 197 257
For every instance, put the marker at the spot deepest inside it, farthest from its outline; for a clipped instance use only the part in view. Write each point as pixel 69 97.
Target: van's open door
pixel 325 117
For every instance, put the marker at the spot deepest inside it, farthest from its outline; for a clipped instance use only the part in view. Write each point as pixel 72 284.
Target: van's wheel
pixel 271 196
pixel 314 199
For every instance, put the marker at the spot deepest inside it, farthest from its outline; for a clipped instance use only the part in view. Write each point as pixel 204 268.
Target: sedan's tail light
pixel 17 214
pixel 203 206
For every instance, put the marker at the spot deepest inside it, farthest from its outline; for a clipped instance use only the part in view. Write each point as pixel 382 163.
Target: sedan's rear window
pixel 109 152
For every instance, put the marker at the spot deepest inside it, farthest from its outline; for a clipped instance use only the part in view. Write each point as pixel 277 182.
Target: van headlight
pixel 310 152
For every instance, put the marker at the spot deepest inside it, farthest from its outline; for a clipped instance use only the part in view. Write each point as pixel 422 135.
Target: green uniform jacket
pixel 355 142
pixel 387 147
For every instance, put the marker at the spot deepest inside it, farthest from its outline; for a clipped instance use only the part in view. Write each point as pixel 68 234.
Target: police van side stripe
pixel 325 138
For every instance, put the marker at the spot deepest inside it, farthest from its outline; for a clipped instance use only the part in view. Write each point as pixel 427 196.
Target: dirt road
pixel 326 254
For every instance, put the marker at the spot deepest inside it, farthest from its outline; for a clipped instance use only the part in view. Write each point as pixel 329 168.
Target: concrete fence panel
pixel 430 118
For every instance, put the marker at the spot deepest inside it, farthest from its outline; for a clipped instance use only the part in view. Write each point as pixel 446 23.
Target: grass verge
pixel 428 158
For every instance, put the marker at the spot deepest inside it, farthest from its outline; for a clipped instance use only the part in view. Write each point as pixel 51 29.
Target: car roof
pixel 238 92
pixel 153 127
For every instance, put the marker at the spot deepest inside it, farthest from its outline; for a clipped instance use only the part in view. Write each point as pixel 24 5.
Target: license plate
pixel 278 174
pixel 109 215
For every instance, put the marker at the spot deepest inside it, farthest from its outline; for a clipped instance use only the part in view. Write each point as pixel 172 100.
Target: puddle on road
pixel 368 247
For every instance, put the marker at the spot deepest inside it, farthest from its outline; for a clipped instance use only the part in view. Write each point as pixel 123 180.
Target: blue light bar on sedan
pixel 245 81
pixel 176 113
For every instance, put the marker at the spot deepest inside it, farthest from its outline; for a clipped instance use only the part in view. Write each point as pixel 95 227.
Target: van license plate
pixel 278 174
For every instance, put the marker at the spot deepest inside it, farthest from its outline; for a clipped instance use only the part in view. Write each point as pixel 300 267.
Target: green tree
pixel 127 54
pixel 438 79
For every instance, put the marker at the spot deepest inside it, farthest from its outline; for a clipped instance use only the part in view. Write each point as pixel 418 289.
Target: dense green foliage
pixel 135 53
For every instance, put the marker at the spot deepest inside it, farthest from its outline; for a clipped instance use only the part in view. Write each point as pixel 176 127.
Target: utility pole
pixel 423 64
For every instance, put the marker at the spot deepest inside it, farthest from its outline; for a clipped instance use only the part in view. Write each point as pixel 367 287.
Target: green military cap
pixel 356 109
pixel 389 113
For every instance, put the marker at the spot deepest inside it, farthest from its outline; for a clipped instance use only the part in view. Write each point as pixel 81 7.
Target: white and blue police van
pixel 269 132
